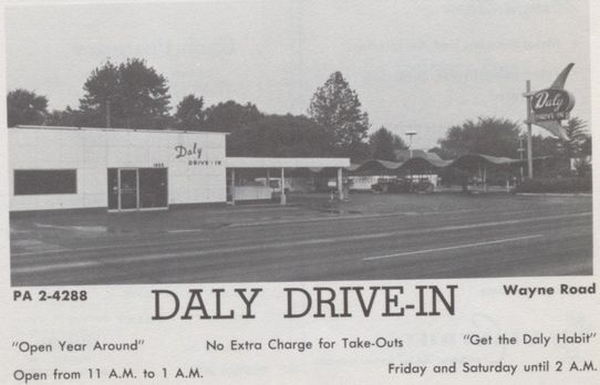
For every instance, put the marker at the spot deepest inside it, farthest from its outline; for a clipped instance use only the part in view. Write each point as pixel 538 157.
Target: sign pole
pixel 529 145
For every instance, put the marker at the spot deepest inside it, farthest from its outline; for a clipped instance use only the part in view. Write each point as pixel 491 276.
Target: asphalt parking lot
pixel 386 236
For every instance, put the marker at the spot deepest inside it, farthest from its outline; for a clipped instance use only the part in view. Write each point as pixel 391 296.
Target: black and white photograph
pixel 282 141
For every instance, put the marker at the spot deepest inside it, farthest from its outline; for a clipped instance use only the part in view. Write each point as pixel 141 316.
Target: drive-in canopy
pixel 233 163
pixel 464 161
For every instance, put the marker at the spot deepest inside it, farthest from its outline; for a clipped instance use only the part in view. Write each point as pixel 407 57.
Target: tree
pixel 189 114
pixel 144 96
pixel 280 136
pixel 577 142
pixel 130 95
pixel 67 117
pixel 576 133
pixel 583 167
pixel 383 143
pixel 586 147
pixel 443 154
pixel 25 107
pixel 399 143
pixel 489 136
pixel 577 145
pixel 336 107
pixel 102 95
pixel 230 116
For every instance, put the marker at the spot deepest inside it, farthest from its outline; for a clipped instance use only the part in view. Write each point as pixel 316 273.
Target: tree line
pixel 134 95
pixel 504 138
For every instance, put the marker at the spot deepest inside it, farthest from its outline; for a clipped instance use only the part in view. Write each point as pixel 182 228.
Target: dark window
pixel 33 182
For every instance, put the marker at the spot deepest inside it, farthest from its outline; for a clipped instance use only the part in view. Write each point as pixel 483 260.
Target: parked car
pixel 402 185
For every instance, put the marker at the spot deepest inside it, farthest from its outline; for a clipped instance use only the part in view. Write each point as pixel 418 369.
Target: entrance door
pixel 128 188
pixel 137 189
pixel 153 188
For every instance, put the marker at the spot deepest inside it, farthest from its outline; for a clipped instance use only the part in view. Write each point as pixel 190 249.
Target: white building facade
pixel 117 169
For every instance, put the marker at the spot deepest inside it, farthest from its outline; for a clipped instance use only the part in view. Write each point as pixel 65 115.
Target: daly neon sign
pixel 551 104
pixel 548 107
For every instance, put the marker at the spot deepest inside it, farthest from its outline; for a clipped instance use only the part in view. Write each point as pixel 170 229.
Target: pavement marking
pixel 464 246
pixel 107 247
pixel 36 245
pixel 95 229
pixel 58 266
pixel 347 217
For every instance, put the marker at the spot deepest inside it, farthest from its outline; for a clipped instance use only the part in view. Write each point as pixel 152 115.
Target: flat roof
pixel 110 129
pixel 255 162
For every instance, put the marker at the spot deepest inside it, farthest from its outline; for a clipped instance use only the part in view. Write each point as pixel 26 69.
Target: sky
pixel 416 65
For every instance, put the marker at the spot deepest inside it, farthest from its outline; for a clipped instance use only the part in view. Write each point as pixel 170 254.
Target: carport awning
pixel 467 160
pixel 494 160
pixel 251 162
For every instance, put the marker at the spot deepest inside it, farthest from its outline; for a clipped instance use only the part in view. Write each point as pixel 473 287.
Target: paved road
pixel 499 239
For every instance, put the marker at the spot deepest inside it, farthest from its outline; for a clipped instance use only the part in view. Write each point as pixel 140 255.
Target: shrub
pixel 556 185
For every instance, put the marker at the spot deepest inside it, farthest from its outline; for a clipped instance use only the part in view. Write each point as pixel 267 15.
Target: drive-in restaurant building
pixel 127 170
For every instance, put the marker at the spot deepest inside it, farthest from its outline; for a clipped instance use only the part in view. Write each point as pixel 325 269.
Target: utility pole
pixel 521 157
pixel 529 145
pixel 108 114
pixel 410 135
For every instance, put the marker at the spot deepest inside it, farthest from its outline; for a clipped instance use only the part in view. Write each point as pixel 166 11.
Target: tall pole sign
pixel 529 140
pixel 410 135
pixel 547 108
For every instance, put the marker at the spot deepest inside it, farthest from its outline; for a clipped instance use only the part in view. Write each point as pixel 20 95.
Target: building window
pixel 35 182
